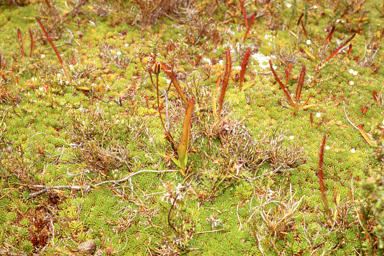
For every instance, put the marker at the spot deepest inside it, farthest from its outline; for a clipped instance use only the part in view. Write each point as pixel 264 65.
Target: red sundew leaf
pixel 341 47
pixel 361 19
pixel 32 42
pixel 281 85
pixel 244 67
pixel 168 71
pixel 329 37
pixel 300 83
pixel 305 31
pixel 228 66
pixel 21 43
pixel 287 72
pixel 185 135
pixel 375 96
pixel 298 22
pixel 349 50
pixel 244 13
pixel 54 48
pixel 47 2
pixel 249 27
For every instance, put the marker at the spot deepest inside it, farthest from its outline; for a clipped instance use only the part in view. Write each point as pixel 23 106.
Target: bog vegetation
pixel 192 127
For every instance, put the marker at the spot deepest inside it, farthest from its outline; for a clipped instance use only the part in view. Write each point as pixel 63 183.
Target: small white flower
pixel 238 68
pixel 355 73
pixel 168 80
pixel 118 53
pixel 291 137
pixel 309 42
pixel 337 21
pixel 318 114
pixel 315 7
pixel 126 45
pixel 58 75
pixel 327 147
pixel 351 83
pixel 353 150
pixel 71 67
pixel 42 56
pixel 289 5
pixel 351 71
pixel 34 79
pixel 221 62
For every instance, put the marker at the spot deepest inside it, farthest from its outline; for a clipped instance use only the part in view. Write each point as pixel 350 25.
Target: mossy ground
pixel 252 184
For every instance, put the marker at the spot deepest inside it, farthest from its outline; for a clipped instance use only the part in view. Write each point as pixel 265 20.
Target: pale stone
pixel 88 247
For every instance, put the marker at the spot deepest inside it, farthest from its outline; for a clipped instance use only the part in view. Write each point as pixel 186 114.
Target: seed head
pixel 156 68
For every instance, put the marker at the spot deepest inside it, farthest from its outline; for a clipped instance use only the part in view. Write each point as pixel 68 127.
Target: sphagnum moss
pixel 244 172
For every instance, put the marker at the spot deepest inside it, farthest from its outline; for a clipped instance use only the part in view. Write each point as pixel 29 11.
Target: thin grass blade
pixel 244 67
pixel 306 102
pixel 321 175
pixel 214 96
pixel 309 54
pixel 227 74
pixel 365 135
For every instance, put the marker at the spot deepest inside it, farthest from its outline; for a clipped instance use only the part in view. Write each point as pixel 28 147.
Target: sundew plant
pixel 145 127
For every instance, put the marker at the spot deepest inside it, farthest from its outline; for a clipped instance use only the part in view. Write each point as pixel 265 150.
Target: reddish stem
pixel 54 48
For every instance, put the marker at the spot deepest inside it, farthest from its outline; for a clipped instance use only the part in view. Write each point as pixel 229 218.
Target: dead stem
pixel 169 214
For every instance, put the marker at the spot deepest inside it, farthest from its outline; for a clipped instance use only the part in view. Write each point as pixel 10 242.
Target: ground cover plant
pixel 191 127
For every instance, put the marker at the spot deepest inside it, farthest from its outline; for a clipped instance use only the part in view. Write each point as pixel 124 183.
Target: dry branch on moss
pixel 44 189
